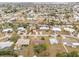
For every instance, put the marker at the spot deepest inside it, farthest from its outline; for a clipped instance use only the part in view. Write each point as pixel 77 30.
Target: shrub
pixel 39 48
pixel 71 54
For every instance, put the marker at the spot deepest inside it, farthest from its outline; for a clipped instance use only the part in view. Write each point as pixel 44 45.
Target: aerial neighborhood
pixel 39 29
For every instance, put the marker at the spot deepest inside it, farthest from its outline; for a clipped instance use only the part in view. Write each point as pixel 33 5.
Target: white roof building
pixel 53 41
pixel 75 44
pixel 69 29
pixel 56 29
pixel 68 44
pixel 44 28
pixel 8 29
pixel 21 29
pixel 5 44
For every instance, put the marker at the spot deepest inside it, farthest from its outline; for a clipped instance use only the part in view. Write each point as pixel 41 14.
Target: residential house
pixel 6 44
pixel 21 42
pixel 53 41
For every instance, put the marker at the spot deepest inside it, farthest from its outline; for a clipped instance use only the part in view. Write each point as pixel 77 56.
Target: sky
pixel 39 1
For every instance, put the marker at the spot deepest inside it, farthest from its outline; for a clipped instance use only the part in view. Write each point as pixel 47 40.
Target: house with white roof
pixel 6 44
pixel 21 42
pixel 74 44
pixel 71 43
pixel 69 29
pixel 56 29
pixel 53 41
pixel 44 27
pixel 68 44
pixel 21 29
pixel 7 30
